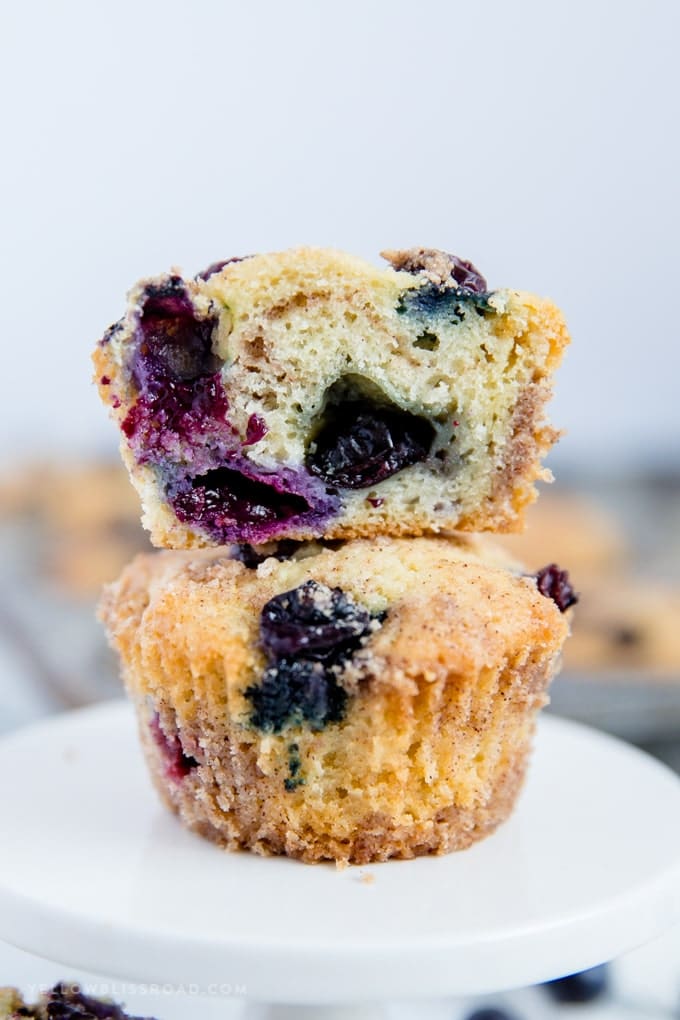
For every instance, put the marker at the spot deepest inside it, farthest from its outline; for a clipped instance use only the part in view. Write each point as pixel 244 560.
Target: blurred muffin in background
pixel 82 519
pixel 627 620
pixel 66 528
pixel 573 529
pixel 627 624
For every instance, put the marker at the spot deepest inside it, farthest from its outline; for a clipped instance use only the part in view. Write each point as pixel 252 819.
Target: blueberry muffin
pixel 349 701
pixel 627 624
pixel 574 529
pixel 78 521
pixel 308 393
pixel 66 1002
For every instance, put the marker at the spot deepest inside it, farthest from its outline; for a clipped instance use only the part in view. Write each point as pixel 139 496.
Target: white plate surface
pixel 95 873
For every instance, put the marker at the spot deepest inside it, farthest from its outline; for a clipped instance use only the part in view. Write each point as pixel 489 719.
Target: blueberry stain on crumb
pixel 555 584
pixel 448 304
pixel 178 377
pixel 295 779
pixel 178 765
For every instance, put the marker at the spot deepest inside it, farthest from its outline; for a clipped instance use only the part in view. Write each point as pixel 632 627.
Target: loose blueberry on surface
pixel 312 621
pixel 555 584
pixel 224 502
pixel 489 1013
pixel 362 443
pixel 178 765
pixel 68 1002
pixel 586 986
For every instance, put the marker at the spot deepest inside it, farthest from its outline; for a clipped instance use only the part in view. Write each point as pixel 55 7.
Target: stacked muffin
pixel 339 673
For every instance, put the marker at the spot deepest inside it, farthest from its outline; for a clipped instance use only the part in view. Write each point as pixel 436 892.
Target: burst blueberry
pixel 362 444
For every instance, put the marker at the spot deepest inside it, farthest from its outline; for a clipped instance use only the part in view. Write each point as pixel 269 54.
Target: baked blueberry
pixel 362 444
pixel 313 621
pixel 295 691
pixel 555 584
pixel 307 634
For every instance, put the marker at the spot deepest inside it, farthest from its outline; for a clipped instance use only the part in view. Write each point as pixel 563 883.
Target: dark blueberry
pixel 216 267
pixel 586 986
pixel 174 344
pixel 256 430
pixel 292 692
pixel 468 276
pixel 105 380
pixel 361 443
pixel 251 557
pixel 228 504
pixel 68 1002
pixel 178 765
pixel 312 621
pixel 489 1013
pixel 432 300
pixel 554 584
pixel 166 298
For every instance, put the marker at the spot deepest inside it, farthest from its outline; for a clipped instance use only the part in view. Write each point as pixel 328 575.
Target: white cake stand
pixel 95 874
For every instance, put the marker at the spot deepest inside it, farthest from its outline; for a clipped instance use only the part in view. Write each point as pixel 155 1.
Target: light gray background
pixel 538 139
